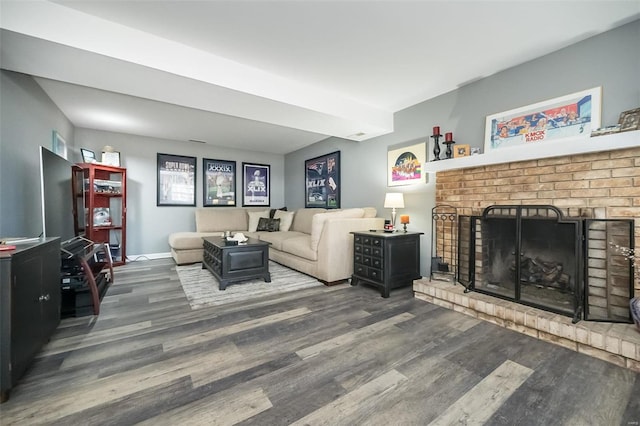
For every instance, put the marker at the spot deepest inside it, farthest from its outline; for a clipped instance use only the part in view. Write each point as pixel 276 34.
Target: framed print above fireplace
pixel 571 116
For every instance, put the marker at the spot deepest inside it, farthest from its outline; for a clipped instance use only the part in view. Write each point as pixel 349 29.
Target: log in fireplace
pixel 535 256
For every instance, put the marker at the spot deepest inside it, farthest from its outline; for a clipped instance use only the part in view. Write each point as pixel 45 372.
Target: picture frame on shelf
pixel 88 156
pixel 218 183
pixel 256 184
pixel 572 116
pixel 322 181
pixel 59 145
pixel 475 150
pixel 176 175
pixel 404 164
pixel 461 150
pixel 111 158
pixel 629 120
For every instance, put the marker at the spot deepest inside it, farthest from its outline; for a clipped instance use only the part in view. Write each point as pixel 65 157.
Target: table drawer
pixel 375 274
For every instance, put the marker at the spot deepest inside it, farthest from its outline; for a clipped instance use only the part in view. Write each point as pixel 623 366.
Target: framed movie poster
pixel 176 180
pixel 256 184
pixel 322 181
pixel 219 183
pixel 404 165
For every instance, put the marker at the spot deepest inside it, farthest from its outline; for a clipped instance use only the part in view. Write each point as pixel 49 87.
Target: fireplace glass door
pixel 531 255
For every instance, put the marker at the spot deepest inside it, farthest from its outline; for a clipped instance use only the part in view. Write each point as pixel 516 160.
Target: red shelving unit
pixel 100 207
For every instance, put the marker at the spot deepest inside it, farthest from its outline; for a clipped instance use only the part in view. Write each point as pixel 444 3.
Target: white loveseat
pixel 317 242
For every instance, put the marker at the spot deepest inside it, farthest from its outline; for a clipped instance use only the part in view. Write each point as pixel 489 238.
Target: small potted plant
pixel 634 303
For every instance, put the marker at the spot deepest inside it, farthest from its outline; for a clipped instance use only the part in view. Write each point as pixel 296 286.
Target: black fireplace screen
pixel 535 256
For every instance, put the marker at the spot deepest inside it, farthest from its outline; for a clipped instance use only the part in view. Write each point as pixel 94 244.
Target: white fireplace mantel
pixel 540 150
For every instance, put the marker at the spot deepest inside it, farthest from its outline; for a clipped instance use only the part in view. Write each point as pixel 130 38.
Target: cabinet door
pixel 50 290
pixel 26 328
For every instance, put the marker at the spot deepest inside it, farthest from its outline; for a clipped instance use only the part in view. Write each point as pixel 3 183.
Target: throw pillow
pixel 273 211
pixel 267 224
pixel 286 219
pixel 254 217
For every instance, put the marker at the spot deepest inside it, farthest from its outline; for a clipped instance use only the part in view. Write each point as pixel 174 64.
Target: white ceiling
pixel 276 76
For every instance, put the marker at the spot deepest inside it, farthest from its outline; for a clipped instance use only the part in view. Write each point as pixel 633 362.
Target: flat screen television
pixel 57 196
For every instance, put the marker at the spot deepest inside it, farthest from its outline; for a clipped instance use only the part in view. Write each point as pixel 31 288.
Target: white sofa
pixel 317 242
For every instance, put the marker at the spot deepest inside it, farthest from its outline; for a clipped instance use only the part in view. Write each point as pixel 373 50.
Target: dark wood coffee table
pixel 233 263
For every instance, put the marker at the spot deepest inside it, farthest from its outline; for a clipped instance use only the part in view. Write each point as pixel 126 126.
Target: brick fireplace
pixel 594 185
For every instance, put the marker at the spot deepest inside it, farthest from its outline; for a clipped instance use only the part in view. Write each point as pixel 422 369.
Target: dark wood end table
pixel 386 260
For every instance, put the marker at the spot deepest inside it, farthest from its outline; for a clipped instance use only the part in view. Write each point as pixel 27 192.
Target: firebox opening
pixel 546 269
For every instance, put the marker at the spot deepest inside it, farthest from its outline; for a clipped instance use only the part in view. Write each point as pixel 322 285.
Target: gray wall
pixel 149 226
pixel 28 118
pixel 610 60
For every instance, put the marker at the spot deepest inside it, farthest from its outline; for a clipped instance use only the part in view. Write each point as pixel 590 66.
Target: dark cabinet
pixel 386 260
pixel 30 305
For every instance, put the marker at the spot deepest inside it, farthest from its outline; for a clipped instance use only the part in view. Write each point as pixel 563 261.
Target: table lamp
pixel 393 200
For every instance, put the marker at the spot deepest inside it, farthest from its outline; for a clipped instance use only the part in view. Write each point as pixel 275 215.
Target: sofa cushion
pixel 276 238
pixel 317 223
pixel 213 219
pixel 370 212
pixel 300 246
pixel 302 219
pixel 286 219
pixel 189 240
pixel 254 218
pixel 272 212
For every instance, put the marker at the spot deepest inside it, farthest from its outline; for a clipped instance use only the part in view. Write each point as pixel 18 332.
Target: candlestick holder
pixel 436 147
pixel 449 151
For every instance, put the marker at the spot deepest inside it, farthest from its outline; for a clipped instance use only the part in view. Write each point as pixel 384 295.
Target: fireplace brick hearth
pixel 615 343
pixel 598 185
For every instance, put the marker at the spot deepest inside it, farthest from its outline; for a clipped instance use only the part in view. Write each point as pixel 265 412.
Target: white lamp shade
pixel 394 200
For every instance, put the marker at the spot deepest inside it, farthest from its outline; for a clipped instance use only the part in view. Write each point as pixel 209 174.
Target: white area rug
pixel 201 288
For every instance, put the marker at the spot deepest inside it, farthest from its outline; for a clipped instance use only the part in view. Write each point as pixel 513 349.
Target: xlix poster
pixel 323 181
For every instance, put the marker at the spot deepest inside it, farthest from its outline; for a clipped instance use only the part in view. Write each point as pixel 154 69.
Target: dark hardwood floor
pixel 337 355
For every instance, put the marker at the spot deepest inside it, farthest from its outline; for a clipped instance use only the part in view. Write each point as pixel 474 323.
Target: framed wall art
pixel 218 183
pixel 322 181
pixel 88 156
pixel 176 180
pixel 462 150
pixel 111 158
pixel 256 184
pixel 567 117
pixel 59 145
pixel 404 165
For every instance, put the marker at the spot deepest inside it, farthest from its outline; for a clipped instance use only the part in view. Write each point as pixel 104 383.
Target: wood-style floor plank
pixel 337 355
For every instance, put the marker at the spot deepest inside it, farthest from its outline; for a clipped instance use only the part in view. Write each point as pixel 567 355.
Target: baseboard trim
pixel 148 256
